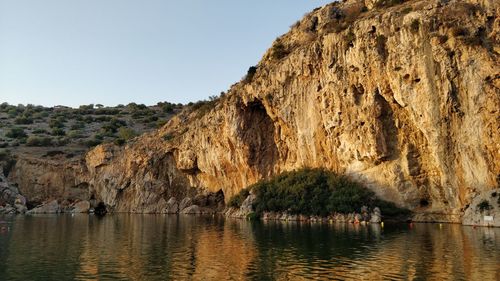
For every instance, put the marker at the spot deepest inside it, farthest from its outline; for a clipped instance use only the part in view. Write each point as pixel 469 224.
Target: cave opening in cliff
pixel 258 132
pixel 424 202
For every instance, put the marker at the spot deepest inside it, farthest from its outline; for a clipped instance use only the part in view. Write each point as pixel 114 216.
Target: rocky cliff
pixel 402 96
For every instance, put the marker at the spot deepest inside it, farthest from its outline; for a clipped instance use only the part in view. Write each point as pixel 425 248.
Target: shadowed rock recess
pixel 403 97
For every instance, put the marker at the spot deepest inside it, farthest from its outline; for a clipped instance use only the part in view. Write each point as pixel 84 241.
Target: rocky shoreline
pixel 483 211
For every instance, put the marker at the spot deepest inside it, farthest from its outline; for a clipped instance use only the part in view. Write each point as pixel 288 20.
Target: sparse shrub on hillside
pixel 203 107
pixel 150 119
pixel 160 123
pixel 88 119
pixel 23 120
pixel 106 111
pixel 58 132
pixel 75 134
pixel 119 142
pixel 279 50
pixel 56 123
pixel 38 141
pixel 40 131
pixel 250 74
pixel 61 141
pixel 113 125
pixel 388 3
pixel 168 137
pixel 166 107
pixel 16 133
pixel 40 115
pixel 87 107
pixel 126 133
pixel 102 119
pixel 13 112
pixel 3 106
pixel 134 106
pixel 93 142
pixel 78 126
pixel 4 155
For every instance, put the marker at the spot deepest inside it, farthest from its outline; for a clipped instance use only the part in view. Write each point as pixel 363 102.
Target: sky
pixel 73 52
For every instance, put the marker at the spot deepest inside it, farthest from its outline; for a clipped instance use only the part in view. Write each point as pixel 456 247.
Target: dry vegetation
pixel 74 130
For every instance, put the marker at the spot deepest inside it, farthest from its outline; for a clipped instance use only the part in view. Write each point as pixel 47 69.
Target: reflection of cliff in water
pixel 424 251
pixel 155 247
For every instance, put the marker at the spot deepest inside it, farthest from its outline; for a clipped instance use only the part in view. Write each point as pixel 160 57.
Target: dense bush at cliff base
pixel 313 192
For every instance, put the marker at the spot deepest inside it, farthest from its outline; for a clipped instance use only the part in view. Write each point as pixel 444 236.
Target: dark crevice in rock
pixel 388 127
pixel 257 131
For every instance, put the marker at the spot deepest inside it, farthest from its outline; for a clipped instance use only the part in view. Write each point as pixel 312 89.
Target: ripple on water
pixel 140 247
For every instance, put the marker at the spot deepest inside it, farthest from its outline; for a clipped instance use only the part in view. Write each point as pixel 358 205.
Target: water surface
pixel 156 247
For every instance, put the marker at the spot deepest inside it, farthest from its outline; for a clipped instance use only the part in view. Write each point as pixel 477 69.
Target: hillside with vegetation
pixel 72 131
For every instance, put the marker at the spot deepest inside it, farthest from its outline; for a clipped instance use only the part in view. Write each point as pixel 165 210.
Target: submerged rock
pixel 51 207
pixel 192 210
pixel 81 207
pixel 186 202
pixel 376 215
pixel 172 206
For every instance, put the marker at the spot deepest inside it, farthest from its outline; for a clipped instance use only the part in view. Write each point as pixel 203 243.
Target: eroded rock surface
pixel 404 98
pixel 484 210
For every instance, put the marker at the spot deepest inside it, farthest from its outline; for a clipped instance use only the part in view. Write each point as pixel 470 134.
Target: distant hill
pixel 30 128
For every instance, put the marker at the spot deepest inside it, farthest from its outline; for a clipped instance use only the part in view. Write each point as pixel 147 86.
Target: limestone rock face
pixel 81 207
pixel 8 192
pixel 51 207
pixel 484 210
pixel 399 97
pixel 172 206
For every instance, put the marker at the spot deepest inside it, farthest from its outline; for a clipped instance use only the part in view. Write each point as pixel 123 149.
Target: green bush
pixel 484 206
pixel 56 123
pixel 15 133
pixel 23 120
pixel 125 133
pixel 58 132
pixel 38 141
pixel 279 51
pixel 236 200
pixel 93 142
pixel 4 155
pixel 166 107
pixel 314 192
pixel 252 70
pixel 78 125
pixel 75 134
pixel 40 131
pixel 168 137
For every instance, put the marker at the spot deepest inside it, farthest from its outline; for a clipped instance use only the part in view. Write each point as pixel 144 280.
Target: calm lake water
pixel 155 247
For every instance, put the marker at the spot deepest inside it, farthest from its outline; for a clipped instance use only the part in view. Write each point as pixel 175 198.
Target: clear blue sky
pixel 74 52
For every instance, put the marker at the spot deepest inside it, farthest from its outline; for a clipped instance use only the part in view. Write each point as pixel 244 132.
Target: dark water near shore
pixel 155 247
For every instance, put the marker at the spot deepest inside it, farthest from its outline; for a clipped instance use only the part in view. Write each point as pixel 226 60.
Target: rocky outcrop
pixel 484 210
pixel 404 98
pixel 51 207
pixel 81 207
